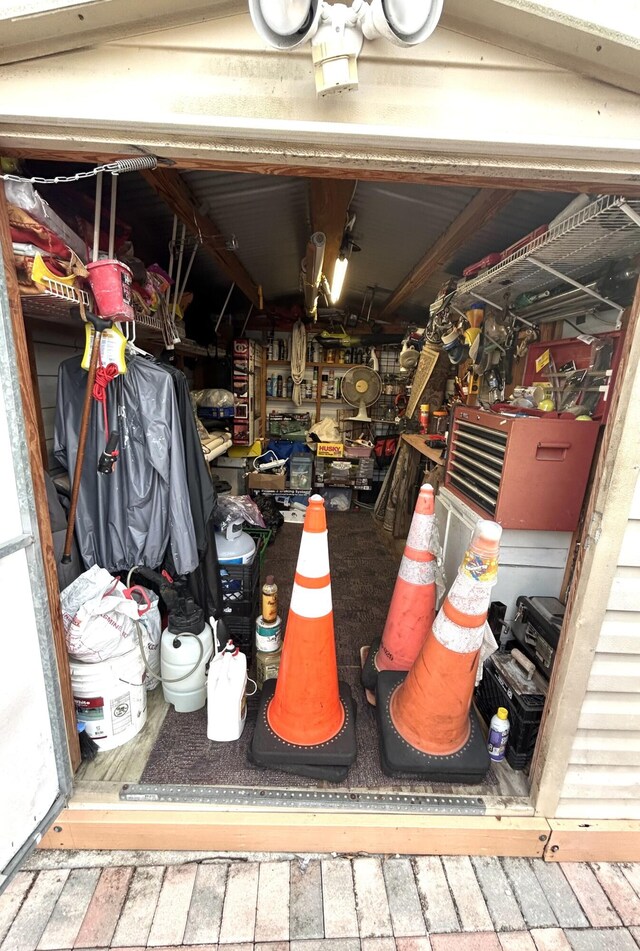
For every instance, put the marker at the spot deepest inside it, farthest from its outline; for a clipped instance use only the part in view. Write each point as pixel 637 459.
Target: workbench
pixel 417 441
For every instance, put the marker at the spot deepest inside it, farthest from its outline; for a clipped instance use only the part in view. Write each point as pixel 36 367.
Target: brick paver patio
pixel 200 901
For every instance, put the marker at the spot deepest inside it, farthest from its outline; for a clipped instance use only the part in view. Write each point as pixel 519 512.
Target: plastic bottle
pixel 325 385
pixel 269 599
pixel 498 735
pixel 289 387
pixel 279 385
pixel 226 695
pixel 269 386
pixel 314 383
pixel 424 418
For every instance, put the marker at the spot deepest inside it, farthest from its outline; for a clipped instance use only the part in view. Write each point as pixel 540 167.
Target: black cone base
pixel 397 757
pixel 329 760
pixel 331 774
pixel 369 675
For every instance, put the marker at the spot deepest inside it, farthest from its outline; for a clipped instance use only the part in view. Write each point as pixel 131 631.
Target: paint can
pixel 268 635
pixel 267 666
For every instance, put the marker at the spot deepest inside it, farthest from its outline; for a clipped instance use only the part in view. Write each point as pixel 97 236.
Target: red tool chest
pixel 524 472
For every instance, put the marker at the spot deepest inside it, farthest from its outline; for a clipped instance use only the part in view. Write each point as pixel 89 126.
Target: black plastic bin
pixel 504 685
pixel 240 585
pixel 241 603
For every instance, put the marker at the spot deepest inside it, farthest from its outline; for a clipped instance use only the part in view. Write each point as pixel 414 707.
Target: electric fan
pixel 361 387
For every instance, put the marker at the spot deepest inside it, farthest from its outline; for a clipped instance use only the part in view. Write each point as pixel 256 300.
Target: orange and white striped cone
pixel 413 604
pixel 306 715
pixel 425 720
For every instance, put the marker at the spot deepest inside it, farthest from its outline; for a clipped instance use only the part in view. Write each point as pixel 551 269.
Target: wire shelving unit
pixel 573 251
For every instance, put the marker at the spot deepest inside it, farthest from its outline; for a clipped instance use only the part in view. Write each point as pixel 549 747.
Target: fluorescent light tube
pixel 339 274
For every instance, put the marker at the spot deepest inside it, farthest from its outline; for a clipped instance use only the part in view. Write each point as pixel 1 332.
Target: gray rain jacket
pixel 130 516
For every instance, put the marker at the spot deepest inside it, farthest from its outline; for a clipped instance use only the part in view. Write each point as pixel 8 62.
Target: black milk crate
pixel 240 584
pixel 242 631
pixel 502 686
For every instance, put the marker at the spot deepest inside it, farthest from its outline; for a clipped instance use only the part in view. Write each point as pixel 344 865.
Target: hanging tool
pixel 99 325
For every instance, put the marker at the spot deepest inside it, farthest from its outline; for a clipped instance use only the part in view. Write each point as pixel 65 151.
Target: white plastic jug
pixel 226 695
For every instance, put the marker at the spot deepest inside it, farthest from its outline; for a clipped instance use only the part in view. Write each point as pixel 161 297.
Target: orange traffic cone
pixel 307 717
pixel 426 722
pixel 413 604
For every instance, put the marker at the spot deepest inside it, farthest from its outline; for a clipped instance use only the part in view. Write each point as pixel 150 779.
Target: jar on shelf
pixel 439 422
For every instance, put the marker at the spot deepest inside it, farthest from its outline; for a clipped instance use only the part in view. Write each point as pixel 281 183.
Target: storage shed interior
pixel 540 282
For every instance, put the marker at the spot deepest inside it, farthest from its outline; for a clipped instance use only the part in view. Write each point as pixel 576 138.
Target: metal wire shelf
pixel 605 230
pixel 49 306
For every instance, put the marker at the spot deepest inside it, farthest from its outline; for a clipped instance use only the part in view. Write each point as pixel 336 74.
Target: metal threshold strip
pixel 306 800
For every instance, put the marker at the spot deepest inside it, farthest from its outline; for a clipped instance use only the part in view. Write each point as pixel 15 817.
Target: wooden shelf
pixel 332 366
pixel 417 441
pixel 288 399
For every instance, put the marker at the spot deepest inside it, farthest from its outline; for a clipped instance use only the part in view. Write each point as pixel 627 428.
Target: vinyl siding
pixel 603 777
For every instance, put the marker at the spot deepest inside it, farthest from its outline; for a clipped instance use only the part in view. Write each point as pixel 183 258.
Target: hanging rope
pixel 298 359
pixel 104 375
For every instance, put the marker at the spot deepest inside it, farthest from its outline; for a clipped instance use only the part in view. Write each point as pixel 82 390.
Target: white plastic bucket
pixel 110 698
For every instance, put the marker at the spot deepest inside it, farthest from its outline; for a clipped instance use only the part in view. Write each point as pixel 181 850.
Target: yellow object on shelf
pixel 40 274
pixel 243 452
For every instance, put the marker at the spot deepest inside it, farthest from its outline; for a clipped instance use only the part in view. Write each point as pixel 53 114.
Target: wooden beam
pixel 37 477
pixel 244 830
pixel 330 200
pixel 592 182
pixel 600 840
pixel 482 208
pixel 168 184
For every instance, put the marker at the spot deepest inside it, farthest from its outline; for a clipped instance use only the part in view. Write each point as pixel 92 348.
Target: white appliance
pixel 531 563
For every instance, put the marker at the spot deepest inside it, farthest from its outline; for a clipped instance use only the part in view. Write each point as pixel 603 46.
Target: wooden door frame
pixel 561 718
pixel 32 427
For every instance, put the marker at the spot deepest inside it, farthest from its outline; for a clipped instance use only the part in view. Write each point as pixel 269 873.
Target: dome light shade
pixel 402 22
pixel 285 24
pixel 285 17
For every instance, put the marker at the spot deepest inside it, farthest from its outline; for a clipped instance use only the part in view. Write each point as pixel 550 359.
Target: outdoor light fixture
pixel 337 31
pixel 339 274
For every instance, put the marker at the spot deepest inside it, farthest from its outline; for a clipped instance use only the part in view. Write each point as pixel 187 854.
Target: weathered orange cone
pixel 413 604
pixel 307 717
pixel 428 727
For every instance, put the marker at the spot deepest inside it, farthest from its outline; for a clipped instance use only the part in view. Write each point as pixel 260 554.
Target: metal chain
pixel 115 168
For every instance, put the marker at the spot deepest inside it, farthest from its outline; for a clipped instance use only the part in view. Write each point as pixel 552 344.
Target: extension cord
pixel 267 466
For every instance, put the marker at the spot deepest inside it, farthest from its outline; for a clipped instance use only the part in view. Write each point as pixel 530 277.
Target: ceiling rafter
pixel 172 188
pixel 482 208
pixel 329 201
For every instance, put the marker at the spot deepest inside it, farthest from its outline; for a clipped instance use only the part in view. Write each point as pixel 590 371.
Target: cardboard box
pixel 266 480
pixel 329 450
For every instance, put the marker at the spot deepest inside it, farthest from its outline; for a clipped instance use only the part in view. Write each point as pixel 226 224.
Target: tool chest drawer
pixel 524 472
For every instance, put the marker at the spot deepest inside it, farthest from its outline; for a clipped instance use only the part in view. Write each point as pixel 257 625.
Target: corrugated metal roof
pixel 396 223
pixel 525 212
pixel 269 216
